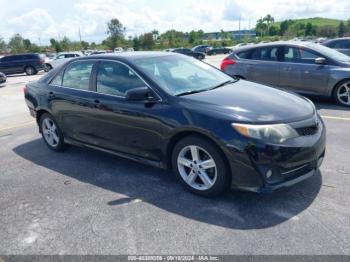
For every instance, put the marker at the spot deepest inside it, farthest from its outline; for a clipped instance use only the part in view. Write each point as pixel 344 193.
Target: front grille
pixel 307 131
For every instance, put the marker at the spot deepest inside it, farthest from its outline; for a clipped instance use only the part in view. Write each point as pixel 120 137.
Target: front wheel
pixel 342 93
pixel 51 133
pixel 200 166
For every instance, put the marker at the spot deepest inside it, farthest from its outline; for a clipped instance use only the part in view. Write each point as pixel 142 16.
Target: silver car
pixel 301 67
pixel 340 44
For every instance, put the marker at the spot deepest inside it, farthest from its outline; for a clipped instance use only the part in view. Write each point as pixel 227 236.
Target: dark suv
pixel 23 63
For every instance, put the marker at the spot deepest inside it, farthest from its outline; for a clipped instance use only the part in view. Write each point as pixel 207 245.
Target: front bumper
pixel 264 168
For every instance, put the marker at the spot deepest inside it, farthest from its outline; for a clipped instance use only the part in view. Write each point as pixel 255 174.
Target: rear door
pixel 300 73
pixel 71 101
pixel 264 66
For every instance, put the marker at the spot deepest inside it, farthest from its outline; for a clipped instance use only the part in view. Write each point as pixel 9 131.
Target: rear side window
pixel 116 79
pixel 77 75
pixel 244 54
pixel 265 54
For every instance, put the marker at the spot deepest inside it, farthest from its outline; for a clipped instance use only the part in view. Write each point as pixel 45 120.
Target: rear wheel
pixel 47 67
pixel 51 133
pixel 29 70
pixel 200 57
pixel 342 93
pixel 200 167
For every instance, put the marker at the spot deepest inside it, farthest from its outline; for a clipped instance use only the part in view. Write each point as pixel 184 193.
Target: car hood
pixel 249 102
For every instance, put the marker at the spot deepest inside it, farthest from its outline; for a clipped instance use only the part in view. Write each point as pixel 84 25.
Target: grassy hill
pixel 316 21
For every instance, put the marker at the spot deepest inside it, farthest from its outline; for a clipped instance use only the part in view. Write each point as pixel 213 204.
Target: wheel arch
pixel 337 84
pixel 186 133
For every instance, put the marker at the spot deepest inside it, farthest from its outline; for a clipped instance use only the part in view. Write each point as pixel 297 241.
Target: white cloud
pixel 34 19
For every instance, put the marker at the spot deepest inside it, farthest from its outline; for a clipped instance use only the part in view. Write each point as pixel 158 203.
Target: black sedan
pixel 218 50
pixel 2 78
pixel 189 52
pixel 175 112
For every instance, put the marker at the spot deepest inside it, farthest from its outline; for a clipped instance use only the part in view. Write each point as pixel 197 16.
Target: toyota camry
pixel 175 112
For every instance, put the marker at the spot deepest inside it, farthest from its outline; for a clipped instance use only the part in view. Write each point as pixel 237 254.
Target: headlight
pixel 272 133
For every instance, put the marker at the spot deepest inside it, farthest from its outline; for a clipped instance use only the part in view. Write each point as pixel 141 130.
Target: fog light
pixel 268 174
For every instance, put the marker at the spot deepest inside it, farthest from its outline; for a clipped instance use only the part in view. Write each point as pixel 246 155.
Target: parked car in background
pixel 340 44
pixel 175 112
pixel 60 59
pixel 2 78
pixel 200 48
pixel 30 64
pixel 189 52
pixel 217 50
pixel 118 50
pixel 302 67
pixel 63 55
pixel 98 52
pixel 130 49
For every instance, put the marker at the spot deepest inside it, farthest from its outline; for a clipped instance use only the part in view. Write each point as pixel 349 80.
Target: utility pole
pixel 79 35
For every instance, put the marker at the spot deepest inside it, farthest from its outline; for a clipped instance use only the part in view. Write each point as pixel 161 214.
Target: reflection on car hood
pixel 250 102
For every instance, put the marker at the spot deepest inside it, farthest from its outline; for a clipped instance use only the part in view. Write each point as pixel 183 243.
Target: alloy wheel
pixel 50 133
pixel 197 167
pixel 343 94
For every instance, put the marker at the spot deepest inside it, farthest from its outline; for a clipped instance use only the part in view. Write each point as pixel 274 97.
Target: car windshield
pixel 331 53
pixel 179 75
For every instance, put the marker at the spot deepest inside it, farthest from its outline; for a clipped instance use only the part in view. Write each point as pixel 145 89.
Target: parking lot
pixel 87 202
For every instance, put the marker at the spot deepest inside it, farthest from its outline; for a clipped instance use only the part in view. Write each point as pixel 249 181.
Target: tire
pixel 214 181
pixel 29 70
pixel 341 93
pixel 47 67
pixel 51 133
pixel 200 57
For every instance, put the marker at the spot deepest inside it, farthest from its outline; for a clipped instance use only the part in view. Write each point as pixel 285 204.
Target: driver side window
pixel 114 78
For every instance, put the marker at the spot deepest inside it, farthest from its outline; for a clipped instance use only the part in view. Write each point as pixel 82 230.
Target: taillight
pixel 24 89
pixel 41 61
pixel 226 62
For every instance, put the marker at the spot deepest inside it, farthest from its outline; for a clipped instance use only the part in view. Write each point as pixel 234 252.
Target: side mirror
pixel 140 94
pixel 320 61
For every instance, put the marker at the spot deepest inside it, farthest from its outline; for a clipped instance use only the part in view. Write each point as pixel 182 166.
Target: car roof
pixel 129 55
pixel 277 43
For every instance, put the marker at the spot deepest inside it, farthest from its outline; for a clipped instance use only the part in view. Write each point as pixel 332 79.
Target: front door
pixel 300 73
pixel 122 125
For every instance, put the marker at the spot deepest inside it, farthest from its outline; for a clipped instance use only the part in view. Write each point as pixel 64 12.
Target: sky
pixel 41 20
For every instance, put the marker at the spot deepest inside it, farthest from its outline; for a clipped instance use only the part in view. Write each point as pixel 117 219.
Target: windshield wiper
pixel 207 89
pixel 223 84
pixel 191 92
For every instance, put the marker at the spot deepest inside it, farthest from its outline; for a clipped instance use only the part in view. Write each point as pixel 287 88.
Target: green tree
pixel 148 42
pixel 269 21
pixel 56 45
pixel 136 43
pixel 284 26
pixel 27 44
pixel 261 27
pixel 16 44
pixel 341 29
pixel 309 29
pixel 115 30
pixel 65 44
